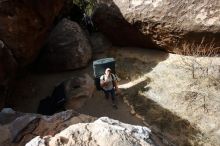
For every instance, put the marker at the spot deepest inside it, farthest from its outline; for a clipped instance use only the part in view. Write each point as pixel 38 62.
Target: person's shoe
pixel 115 106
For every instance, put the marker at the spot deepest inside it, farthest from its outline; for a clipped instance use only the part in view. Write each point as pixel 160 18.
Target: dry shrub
pixel 197 61
pixel 191 61
pixel 198 50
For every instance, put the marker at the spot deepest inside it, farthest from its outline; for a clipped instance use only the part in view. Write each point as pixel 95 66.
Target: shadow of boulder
pixel 163 123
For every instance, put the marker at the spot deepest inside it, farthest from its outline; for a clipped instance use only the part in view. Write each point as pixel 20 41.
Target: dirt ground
pixel 162 90
pixel 99 106
pixel 145 79
pixel 28 90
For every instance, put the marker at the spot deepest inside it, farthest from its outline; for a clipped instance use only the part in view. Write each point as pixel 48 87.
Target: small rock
pixel 78 90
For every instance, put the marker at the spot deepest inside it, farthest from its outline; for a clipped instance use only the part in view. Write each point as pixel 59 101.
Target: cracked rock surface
pixel 166 23
pixel 102 132
pixel 19 128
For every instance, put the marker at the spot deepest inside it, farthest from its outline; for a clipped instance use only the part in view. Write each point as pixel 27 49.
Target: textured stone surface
pixel 24 25
pixel 99 43
pixel 20 124
pixel 111 23
pixel 102 132
pixel 8 64
pixel 163 22
pixel 67 48
pixel 78 90
pixel 8 67
pixel 19 128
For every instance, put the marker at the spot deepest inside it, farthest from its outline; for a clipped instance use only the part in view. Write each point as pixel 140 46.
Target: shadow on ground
pixel 163 122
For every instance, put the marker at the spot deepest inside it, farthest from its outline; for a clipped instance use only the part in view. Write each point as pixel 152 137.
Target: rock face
pixel 78 90
pixel 8 63
pixel 165 23
pixel 24 25
pixel 69 94
pixel 19 128
pixel 8 66
pixel 102 132
pixel 71 11
pixel 99 43
pixel 66 49
pixel 111 23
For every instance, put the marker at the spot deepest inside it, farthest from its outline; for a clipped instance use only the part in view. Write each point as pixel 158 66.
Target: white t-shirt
pixel 109 79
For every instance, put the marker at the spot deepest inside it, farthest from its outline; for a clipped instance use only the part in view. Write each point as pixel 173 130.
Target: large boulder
pixel 102 132
pixel 24 25
pixel 165 23
pixel 69 94
pixel 8 66
pixel 67 48
pixel 19 128
pixel 78 90
pixel 108 19
pixel 8 63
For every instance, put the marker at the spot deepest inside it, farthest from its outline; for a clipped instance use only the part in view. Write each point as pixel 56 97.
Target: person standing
pixel 108 83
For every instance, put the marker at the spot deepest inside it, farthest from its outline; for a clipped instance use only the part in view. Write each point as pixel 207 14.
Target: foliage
pixel 86 5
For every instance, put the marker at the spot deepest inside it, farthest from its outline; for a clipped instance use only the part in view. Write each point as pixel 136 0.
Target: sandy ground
pixel 29 90
pixel 99 106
